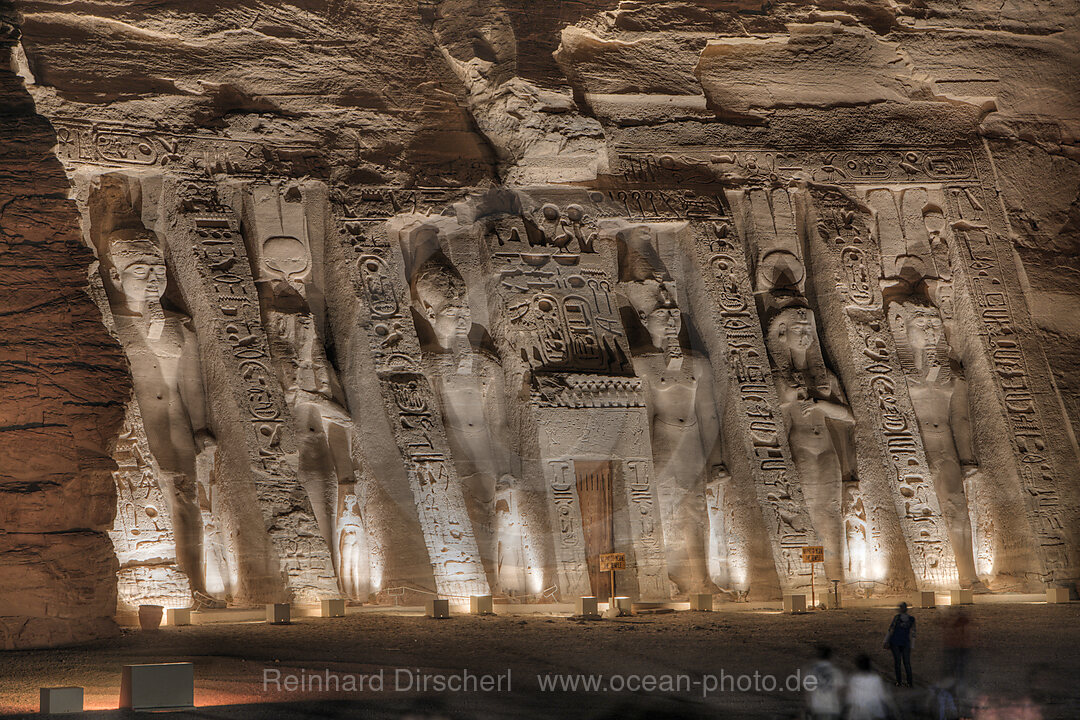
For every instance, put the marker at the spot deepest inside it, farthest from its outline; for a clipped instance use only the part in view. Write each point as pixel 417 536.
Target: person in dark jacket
pixel 900 638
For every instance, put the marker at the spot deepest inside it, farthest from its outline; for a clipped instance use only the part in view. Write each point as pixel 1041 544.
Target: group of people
pixel 864 695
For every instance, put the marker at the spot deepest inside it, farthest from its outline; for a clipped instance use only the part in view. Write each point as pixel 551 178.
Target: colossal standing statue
pixel 685 426
pixel 161 347
pixel 939 397
pixel 280 251
pixel 820 426
pixel 469 382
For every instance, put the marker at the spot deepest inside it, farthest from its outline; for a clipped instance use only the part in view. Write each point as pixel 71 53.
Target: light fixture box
pixel 163 686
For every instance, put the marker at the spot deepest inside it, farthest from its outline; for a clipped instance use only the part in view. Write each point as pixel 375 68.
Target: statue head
pixel 920 323
pixel 793 346
pixel 138 267
pixel 657 309
pixel 794 330
pixel 919 334
pixel 441 294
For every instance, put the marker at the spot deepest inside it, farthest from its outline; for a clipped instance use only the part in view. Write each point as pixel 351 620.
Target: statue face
pixel 799 334
pixel 142 280
pixel 924 331
pixel 451 319
pixel 662 323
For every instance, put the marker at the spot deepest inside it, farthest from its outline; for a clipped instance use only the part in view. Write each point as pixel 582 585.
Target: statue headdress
pixel 900 316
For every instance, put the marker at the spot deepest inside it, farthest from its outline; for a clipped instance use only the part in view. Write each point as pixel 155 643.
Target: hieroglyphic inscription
pixel 559 306
pixel 415 419
pixel 229 287
pixel 842 232
pixel 107 143
pixel 230 278
pixel 710 165
pixel 570 540
pixel 142 533
pixel 646 532
pixel 984 267
pixel 727 282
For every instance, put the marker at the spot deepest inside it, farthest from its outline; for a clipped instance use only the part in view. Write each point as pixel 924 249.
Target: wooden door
pixel 597 511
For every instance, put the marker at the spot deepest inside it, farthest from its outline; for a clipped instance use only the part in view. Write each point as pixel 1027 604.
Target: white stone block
pixel 481 605
pixel 587 606
pixel 166 686
pixel 438 608
pixel 332 608
pixel 701 601
pixel 278 613
pixel 925 599
pixel 58 700
pixel 178 616
pixel 794 603
pixel 1057 594
pixel 961 597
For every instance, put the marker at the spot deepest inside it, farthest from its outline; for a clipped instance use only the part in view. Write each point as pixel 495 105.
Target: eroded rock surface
pixel 456 296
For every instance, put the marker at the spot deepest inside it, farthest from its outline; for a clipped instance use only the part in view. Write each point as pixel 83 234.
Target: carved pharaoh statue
pixel 820 426
pixel 468 380
pixel 322 424
pixel 162 349
pixel 685 430
pixel 939 397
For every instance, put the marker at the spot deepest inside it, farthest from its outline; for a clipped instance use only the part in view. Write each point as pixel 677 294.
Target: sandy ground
pixel 1024 651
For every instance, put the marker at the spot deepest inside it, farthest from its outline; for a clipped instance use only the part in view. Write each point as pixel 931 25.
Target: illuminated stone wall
pixel 451 297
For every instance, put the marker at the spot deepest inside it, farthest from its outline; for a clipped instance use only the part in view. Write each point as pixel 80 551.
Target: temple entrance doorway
pixel 594 487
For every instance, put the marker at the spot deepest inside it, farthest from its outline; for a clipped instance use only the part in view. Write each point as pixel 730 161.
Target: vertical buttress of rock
pixel 63 384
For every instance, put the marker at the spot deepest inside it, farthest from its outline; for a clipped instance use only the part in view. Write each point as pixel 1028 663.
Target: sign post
pixel 813 554
pixel 610 562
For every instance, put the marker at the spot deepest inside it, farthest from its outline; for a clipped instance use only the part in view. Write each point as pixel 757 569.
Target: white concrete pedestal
pixel 702 602
pixel 438 608
pixel 481 605
pixel 168 686
pixel 794 604
pixel 58 700
pixel 587 607
pixel 332 608
pixel 178 616
pixel 961 597
pixel 278 613
pixel 1057 595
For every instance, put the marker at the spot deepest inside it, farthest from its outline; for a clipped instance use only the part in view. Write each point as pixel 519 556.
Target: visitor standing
pixel 900 638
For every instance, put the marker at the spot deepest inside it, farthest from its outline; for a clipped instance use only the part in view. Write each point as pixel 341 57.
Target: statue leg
pixel 187 526
pixel 317 472
pixel 823 501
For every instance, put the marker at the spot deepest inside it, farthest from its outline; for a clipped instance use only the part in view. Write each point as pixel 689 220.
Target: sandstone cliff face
pixel 65 384
pixel 308 177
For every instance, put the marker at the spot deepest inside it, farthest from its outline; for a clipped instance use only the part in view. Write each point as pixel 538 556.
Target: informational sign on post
pixel 813 554
pixel 610 562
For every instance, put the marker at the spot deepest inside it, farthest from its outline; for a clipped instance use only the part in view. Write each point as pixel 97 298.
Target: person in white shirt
pixel 825 695
pixel 867 696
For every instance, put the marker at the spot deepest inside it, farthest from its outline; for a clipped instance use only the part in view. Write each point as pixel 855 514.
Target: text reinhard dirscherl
pixel 466 681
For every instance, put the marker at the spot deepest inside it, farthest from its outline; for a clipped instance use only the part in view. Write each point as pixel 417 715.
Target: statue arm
pixel 835 411
pixel 708 417
pixel 190 382
pixel 498 423
pixel 960 419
